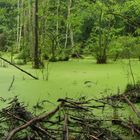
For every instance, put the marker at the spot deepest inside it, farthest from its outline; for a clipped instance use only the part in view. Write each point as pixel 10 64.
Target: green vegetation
pixel 87 49
pixel 58 30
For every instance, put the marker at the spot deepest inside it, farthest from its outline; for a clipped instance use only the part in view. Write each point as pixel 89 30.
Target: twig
pixel 72 104
pixel 131 71
pixel 11 83
pixel 128 125
pixel 132 106
pixel 35 119
pixel 93 137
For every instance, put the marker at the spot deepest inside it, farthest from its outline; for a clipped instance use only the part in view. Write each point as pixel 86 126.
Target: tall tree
pixel 69 31
pixel 36 63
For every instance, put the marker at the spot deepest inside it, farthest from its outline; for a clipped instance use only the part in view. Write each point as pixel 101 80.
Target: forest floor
pixel 75 78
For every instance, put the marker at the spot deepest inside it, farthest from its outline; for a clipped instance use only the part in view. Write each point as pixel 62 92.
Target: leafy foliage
pixel 66 28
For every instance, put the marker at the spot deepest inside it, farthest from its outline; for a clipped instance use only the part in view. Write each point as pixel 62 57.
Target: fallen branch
pixel 18 68
pixel 71 119
pixel 132 106
pixel 34 120
pixel 105 103
pixel 72 104
pixel 129 125
pixel 94 137
pixel 65 128
pixel 38 128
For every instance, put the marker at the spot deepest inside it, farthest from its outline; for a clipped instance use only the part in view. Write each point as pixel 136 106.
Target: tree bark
pixel 57 23
pixel 36 48
pixel 101 54
pixel 67 24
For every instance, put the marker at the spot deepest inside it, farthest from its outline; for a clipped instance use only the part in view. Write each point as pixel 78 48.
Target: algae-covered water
pixel 68 79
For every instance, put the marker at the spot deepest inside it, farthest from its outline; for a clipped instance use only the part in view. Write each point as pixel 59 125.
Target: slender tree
pixel 67 22
pixel 70 27
pixel 57 23
pixel 36 62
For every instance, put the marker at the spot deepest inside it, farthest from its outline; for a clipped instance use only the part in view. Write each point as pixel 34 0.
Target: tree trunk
pixel 70 27
pixel 71 37
pixel 30 28
pixel 101 60
pixel 57 23
pixel 67 25
pixel 101 54
pixel 100 38
pixel 36 62
pixel 19 24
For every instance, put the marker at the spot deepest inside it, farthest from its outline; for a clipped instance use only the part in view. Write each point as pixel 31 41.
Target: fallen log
pixel 19 68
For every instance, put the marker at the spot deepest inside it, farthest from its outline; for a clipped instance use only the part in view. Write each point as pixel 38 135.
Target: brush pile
pixel 71 120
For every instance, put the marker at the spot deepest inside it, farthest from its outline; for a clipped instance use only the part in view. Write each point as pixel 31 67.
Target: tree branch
pixel 35 119
pixel 18 68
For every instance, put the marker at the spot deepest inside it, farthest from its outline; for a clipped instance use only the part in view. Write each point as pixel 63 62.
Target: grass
pixel 72 79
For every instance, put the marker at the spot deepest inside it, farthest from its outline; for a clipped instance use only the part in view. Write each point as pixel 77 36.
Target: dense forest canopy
pixel 59 29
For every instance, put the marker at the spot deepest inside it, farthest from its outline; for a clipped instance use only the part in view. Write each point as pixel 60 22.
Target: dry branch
pixel 19 68
pixel 34 120
pixel 132 106
pixel 65 128
pixel 39 128
pixel 72 119
pixel 129 125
